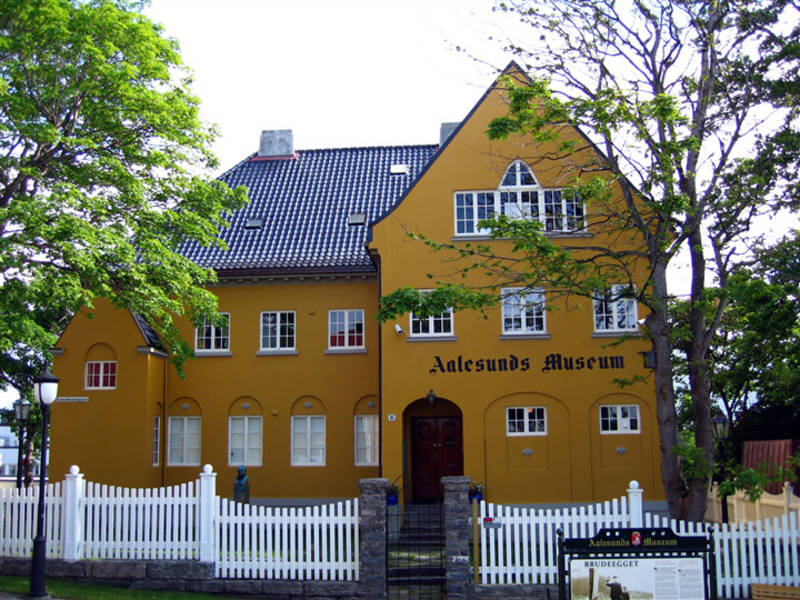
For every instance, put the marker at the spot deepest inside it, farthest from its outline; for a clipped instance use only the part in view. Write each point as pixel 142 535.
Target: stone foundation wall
pixel 182 576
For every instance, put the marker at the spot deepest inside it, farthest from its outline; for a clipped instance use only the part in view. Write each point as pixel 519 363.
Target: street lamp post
pixel 45 388
pixel 22 410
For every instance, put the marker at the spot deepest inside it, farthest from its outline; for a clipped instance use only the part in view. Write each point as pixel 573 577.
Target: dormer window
pixel 254 223
pixel 519 196
pixel 398 169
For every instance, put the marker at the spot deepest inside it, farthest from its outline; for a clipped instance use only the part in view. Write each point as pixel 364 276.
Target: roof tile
pixel 305 203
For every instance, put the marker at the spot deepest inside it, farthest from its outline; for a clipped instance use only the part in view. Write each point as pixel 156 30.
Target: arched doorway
pixel 433 447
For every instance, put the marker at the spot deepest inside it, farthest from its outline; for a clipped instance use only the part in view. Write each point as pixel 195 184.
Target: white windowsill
pixel 432 338
pixel 482 237
pixel 201 353
pixel 617 333
pixel 524 336
pixel 277 353
pixel 346 351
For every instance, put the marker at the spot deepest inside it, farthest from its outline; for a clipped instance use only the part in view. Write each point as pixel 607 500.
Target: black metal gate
pixel 415 552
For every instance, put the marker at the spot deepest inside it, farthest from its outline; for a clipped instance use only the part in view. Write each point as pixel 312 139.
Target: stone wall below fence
pixel 183 576
pixel 514 592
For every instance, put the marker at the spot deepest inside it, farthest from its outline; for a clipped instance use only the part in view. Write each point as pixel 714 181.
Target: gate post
pixel 71 517
pixel 635 504
pixel 457 513
pixel 207 493
pixel 372 533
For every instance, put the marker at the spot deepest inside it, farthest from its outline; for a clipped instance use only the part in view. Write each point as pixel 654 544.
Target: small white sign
pixel 392 418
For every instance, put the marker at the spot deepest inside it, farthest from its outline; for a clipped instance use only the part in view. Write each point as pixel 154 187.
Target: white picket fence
pixel 184 522
pixel 140 524
pixel 18 520
pixel 314 542
pixel 519 545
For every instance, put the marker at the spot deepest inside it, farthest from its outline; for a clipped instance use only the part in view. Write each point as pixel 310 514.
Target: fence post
pixel 635 504
pixel 788 491
pixel 372 533
pixel 71 517
pixel 457 531
pixel 207 493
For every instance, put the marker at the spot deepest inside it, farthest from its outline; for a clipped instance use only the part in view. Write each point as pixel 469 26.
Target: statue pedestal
pixel 241 492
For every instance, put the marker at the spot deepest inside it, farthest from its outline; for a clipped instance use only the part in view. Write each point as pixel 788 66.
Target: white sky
pixel 338 73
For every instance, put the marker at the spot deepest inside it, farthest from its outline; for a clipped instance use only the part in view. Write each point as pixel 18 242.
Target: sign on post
pixel 641 564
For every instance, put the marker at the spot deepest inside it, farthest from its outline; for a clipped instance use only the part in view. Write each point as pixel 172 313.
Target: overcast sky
pixel 337 73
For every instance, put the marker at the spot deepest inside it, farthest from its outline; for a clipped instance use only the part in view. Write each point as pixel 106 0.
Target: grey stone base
pixel 515 592
pixel 182 576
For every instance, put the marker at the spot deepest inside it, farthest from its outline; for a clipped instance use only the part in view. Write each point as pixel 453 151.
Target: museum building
pixel 303 385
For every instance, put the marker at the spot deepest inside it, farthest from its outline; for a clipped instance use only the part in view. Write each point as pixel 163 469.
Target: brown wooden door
pixel 436 452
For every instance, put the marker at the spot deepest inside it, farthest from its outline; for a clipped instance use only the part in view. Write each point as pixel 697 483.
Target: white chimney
pixel 279 142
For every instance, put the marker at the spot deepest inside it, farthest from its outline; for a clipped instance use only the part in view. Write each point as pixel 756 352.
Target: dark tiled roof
pixel 148 333
pixel 305 203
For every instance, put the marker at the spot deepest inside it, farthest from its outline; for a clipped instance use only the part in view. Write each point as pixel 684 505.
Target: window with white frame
pixel 277 330
pixel 213 338
pixel 614 310
pixel 366 440
pixel 156 440
pixel 519 196
pixel 100 375
pixel 184 441
pixel 434 325
pixel 620 418
pixel 346 329
pixel 523 311
pixel 308 440
pixel 245 436
pixel 526 420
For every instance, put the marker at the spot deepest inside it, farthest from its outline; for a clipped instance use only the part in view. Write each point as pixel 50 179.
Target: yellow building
pixel 311 393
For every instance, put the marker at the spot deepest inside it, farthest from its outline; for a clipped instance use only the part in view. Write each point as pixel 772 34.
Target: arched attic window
pixel 519 196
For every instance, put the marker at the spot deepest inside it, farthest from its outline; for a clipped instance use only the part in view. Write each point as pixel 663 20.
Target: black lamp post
pixel 45 388
pixel 22 410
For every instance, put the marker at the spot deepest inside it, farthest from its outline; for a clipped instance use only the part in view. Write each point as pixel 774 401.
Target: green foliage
pixel 754 481
pixel 102 155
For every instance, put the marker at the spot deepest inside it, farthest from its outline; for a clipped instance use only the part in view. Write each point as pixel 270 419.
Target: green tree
pixel 102 176
pixel 692 108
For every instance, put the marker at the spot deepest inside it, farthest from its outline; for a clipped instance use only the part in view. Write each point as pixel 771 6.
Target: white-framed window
pixel 620 418
pixel 435 325
pixel 308 440
pixel 277 330
pixel 213 338
pixel 184 441
pixel 100 375
pixel 613 311
pixel 523 311
pixel 526 420
pixel 366 440
pixel 156 440
pixel 245 435
pixel 432 326
pixel 346 328
pixel 519 196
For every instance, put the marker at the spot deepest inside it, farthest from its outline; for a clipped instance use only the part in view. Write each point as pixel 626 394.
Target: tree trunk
pixel 28 458
pixel 699 384
pixel 658 328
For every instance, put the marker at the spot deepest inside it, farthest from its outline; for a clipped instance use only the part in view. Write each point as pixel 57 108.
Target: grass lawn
pixel 85 591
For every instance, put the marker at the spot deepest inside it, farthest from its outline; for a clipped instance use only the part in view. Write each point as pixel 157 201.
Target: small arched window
pixel 519 196
pixel 100 368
